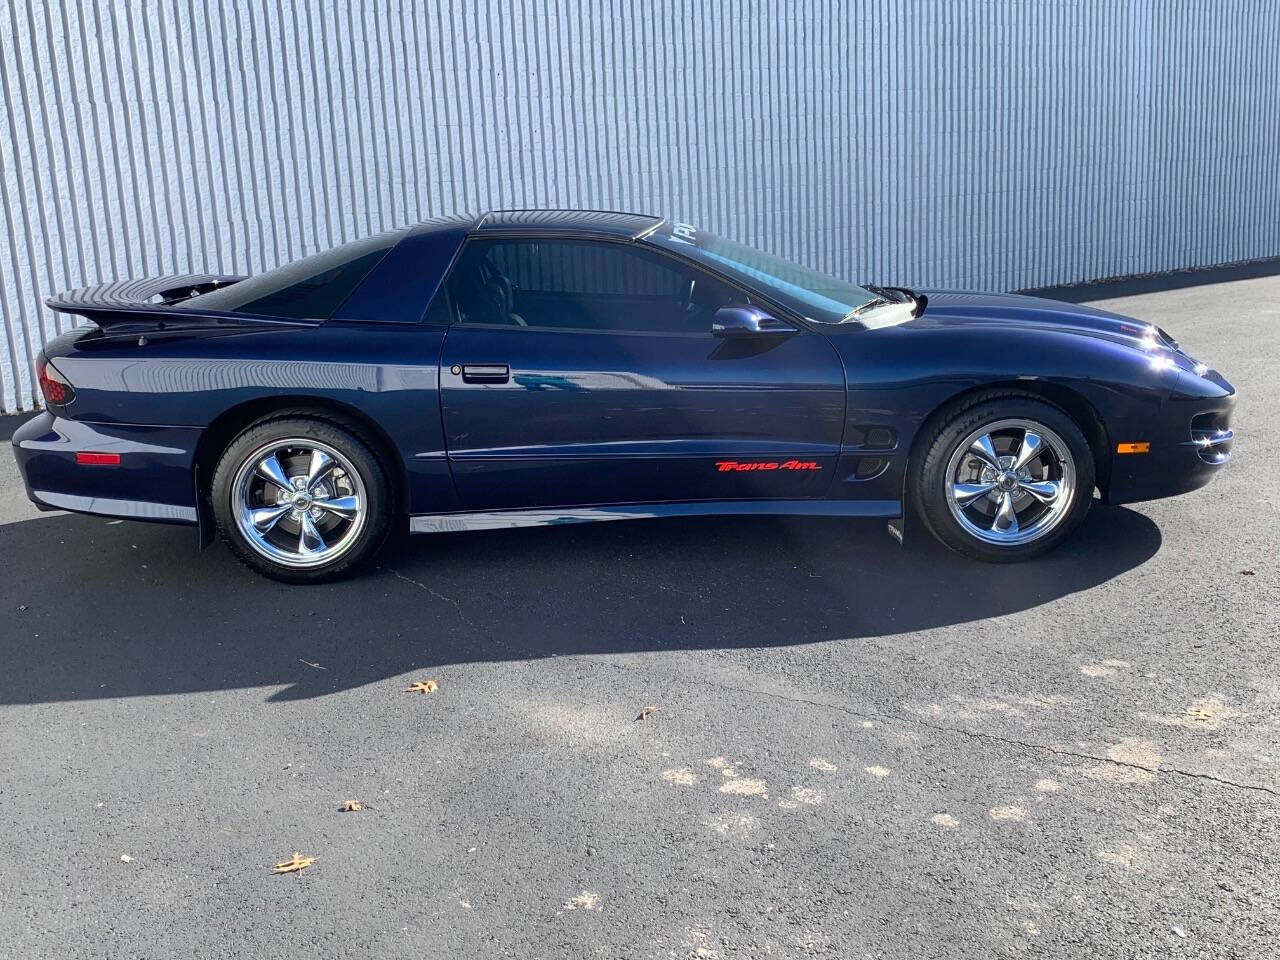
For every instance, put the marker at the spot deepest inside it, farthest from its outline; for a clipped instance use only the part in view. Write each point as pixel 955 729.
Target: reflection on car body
pixel 538 367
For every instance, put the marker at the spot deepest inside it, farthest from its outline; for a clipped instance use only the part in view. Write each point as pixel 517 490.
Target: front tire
pixel 301 499
pixel 1005 478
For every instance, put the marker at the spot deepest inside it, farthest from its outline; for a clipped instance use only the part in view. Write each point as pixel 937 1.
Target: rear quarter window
pixel 309 289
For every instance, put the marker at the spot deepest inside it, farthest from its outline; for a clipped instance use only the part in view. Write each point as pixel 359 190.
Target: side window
pixel 574 284
pixel 314 287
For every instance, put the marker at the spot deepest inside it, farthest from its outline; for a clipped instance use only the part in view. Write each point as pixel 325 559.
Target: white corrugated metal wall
pixel 945 142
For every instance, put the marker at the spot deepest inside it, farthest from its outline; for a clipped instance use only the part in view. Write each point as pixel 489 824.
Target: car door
pixel 585 372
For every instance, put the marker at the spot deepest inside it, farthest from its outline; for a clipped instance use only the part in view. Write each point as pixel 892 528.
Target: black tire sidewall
pixel 928 483
pixel 377 487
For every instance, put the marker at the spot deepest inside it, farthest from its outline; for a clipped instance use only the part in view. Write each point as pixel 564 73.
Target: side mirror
pixel 747 321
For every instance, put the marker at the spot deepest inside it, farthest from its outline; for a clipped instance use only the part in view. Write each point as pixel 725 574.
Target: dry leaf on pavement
pixel 420 686
pixel 646 713
pixel 351 806
pixel 296 863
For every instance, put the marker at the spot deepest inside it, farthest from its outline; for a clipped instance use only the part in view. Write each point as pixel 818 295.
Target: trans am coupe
pixel 537 367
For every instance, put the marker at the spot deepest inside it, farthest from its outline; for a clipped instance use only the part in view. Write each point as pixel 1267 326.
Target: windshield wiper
pixel 890 301
pixel 869 305
pixel 881 298
pixel 884 297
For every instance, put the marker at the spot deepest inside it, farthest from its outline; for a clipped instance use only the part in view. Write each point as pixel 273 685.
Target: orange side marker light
pixel 1133 448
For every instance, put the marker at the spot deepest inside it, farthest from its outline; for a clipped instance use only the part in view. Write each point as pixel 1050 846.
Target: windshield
pixel 311 288
pixel 815 296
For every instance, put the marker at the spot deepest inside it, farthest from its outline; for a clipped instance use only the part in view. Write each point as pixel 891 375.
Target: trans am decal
pixel 725 466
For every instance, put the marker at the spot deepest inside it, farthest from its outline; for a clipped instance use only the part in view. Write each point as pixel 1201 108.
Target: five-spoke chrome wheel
pixel 1010 482
pixel 298 502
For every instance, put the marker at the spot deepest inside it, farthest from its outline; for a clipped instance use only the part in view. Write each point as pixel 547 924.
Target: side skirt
pixel 547 516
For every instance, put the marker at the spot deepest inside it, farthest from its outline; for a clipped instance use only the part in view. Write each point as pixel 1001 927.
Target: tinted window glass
pixel 815 296
pixel 311 288
pixel 583 285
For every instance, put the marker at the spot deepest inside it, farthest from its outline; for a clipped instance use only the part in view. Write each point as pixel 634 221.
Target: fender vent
pixel 868 468
pixel 869 437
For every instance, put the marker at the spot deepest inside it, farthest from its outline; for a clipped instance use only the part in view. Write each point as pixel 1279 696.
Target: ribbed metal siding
pixel 967 143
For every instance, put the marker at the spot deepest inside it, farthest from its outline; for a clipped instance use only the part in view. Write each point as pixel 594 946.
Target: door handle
pixel 485 373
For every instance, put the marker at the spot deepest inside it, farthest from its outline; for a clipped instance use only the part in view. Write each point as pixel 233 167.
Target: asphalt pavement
pixel 858 749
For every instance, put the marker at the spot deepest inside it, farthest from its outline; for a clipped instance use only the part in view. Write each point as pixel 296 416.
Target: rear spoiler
pixel 152 304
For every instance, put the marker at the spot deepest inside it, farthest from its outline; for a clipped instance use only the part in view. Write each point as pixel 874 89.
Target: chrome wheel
pixel 298 502
pixel 1010 482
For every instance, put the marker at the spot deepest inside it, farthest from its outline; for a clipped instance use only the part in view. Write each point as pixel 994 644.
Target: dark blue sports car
pixel 536 367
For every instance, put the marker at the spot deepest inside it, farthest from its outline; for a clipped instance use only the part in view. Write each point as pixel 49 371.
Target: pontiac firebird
pixel 537 367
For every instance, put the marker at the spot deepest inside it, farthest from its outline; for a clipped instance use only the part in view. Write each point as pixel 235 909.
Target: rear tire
pixel 1004 478
pixel 301 499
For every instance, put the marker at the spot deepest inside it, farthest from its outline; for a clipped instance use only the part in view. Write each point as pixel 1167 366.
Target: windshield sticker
pixel 684 232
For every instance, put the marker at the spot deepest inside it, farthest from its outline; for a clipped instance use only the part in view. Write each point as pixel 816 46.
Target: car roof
pixel 608 223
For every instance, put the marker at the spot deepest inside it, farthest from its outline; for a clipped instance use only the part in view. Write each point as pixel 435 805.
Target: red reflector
pixel 98 459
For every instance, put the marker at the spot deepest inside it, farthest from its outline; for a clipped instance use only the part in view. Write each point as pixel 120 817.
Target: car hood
pixel 951 308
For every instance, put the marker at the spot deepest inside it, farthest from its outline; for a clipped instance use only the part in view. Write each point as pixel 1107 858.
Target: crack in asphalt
pixel 435 593
pixel 1058 751
pixel 977 735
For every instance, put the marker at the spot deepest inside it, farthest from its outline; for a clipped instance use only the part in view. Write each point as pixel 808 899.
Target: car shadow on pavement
pixel 95 609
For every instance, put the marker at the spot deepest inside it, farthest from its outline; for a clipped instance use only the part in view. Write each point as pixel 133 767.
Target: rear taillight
pixel 57 390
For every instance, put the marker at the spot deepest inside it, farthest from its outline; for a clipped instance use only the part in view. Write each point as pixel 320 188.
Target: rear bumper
pixel 1191 443
pixel 153 481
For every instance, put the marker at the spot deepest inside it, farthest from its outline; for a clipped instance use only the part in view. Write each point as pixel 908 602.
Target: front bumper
pixel 153 481
pixel 1190 442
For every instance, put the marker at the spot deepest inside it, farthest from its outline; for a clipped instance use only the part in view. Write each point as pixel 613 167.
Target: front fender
pixel 899 378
